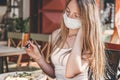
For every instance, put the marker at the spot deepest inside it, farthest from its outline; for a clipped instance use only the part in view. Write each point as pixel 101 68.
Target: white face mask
pixel 71 23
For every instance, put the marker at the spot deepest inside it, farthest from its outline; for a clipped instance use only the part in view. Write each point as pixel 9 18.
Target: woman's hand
pixel 33 51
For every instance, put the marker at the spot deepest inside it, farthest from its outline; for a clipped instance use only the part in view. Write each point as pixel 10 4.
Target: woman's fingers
pixel 31 44
pixel 32 50
pixel 28 50
pixel 30 53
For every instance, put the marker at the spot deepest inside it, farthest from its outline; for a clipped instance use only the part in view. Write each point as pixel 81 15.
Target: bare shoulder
pixel 55 34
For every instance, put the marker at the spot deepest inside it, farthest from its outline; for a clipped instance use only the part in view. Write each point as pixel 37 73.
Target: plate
pixel 24 75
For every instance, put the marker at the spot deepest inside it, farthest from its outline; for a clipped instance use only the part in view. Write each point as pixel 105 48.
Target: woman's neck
pixel 73 32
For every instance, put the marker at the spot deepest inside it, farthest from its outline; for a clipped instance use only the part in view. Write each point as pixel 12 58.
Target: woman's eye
pixel 77 16
pixel 67 11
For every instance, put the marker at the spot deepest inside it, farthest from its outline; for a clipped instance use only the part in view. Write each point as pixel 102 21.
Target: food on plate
pixel 20 76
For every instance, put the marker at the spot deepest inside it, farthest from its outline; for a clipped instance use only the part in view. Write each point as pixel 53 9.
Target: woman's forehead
pixel 73 6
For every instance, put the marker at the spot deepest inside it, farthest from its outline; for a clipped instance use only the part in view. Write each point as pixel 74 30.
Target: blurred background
pixel 43 16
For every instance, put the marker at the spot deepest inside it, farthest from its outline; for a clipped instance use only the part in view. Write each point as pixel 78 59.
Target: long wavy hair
pixel 92 41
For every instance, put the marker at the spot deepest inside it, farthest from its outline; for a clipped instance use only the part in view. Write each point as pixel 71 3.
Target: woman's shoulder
pixel 55 34
pixel 56 31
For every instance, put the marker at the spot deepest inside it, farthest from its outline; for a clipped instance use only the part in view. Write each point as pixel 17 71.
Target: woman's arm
pixel 33 52
pixel 75 64
pixel 46 67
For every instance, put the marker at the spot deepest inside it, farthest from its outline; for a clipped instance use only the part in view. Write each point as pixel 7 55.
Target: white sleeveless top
pixel 59 59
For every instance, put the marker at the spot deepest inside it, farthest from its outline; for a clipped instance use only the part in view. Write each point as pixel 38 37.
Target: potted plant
pixel 21 25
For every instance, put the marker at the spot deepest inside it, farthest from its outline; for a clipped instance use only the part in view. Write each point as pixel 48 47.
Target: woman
pixel 76 47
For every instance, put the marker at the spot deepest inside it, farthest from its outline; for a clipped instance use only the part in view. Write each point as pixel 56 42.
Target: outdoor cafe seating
pixel 12 49
pixel 42 40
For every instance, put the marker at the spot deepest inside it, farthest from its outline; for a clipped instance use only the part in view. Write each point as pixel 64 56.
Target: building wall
pixel 49 14
pixel 2 11
pixel 26 8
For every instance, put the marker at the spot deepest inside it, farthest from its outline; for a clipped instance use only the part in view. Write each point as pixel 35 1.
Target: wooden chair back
pixel 15 36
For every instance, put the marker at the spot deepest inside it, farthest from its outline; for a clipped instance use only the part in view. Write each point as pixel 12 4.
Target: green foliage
pixel 22 24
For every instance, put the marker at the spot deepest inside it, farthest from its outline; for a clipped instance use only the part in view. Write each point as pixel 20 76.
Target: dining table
pixel 8 51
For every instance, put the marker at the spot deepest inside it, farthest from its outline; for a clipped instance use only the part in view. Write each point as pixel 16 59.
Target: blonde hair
pixel 92 42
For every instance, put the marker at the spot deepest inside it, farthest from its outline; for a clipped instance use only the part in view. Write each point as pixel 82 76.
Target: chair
pixel 15 36
pixel 118 73
pixel 45 40
pixel 113 57
pixel 1 65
